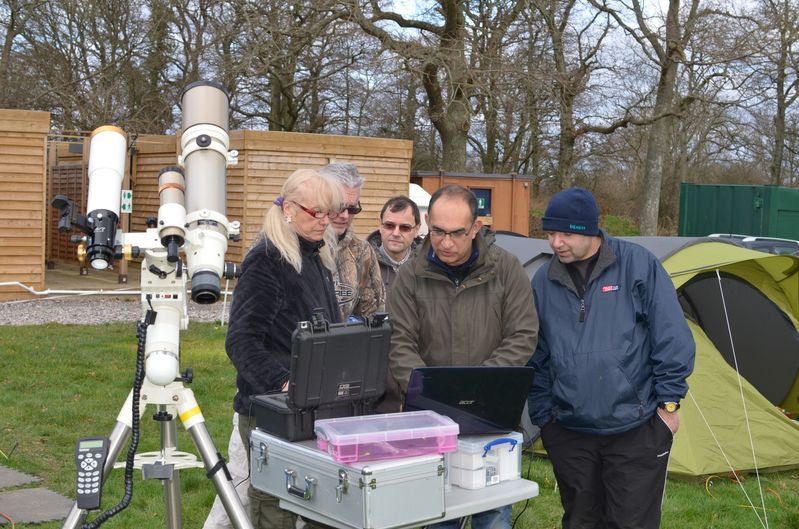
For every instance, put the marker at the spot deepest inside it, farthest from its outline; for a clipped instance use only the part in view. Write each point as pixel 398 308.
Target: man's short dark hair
pixel 401 203
pixel 456 191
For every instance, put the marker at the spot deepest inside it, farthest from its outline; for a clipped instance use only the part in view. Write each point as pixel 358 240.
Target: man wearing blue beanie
pixel 613 356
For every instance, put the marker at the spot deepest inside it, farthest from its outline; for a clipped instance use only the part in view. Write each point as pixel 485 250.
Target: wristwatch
pixel 670 407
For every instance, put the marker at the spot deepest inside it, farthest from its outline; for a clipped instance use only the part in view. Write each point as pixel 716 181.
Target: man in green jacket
pixel 461 301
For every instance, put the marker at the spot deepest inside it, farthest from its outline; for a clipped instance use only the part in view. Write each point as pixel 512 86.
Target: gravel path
pixel 94 310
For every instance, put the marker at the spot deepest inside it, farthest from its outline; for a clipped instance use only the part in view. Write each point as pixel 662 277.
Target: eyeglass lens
pixel 353 210
pixel 457 234
pixel 313 213
pixel 391 226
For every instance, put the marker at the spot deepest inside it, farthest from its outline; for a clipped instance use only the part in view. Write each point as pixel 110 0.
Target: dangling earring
pixel 288 219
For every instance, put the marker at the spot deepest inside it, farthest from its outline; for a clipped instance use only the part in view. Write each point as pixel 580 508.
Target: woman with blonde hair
pixel 286 277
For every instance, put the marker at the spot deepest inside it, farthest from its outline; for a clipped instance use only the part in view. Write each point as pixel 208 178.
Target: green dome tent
pixel 742 307
pixel 758 295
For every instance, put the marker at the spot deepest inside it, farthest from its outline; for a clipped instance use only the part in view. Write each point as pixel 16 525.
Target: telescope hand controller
pixel 90 456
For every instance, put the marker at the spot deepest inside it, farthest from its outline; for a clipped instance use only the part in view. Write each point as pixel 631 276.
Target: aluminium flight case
pixel 365 495
pixel 337 370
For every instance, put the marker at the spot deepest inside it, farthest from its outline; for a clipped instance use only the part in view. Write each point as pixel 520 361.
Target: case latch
pixel 378 319
pixel 343 485
pixel 263 456
pixel 318 321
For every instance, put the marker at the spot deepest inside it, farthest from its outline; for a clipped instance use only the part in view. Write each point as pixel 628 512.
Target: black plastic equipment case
pixel 337 370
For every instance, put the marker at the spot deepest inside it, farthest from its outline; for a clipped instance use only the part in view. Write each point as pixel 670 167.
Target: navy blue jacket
pixel 633 349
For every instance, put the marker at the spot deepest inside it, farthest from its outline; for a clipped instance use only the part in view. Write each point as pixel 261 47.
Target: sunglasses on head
pixel 391 226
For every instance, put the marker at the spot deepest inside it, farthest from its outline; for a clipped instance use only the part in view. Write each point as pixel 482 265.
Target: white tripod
pixel 164 294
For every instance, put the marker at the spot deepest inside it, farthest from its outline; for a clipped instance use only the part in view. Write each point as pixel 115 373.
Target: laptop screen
pixel 480 399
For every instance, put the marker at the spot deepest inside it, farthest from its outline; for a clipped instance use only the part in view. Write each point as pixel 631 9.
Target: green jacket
pixel 489 319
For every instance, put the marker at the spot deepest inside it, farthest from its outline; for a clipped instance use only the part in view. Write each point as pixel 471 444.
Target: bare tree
pixel 777 63
pixel 438 44
pixel 575 58
pixel 665 47
pixel 15 16
pixel 84 54
pixel 286 57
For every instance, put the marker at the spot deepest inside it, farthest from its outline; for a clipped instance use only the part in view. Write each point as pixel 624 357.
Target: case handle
pixel 501 440
pixel 292 489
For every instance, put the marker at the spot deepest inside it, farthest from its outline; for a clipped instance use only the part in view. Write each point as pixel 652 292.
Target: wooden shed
pixel 265 159
pixel 23 147
pixel 503 199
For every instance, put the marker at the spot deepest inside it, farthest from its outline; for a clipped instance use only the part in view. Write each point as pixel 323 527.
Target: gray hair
pixel 345 174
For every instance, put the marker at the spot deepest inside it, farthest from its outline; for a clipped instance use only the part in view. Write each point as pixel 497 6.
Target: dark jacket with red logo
pixel 604 360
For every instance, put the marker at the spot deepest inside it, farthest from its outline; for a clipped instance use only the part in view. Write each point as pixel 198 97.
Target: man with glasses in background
pixel 396 238
pixel 461 300
pixel 358 284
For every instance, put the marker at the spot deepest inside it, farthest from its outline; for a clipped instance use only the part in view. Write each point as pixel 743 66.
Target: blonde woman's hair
pixel 329 195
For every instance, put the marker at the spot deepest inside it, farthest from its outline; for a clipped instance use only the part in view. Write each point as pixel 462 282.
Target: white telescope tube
pixel 107 151
pixel 107 155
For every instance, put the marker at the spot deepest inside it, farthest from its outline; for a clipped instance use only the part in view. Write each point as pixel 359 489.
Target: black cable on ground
pixel 526 476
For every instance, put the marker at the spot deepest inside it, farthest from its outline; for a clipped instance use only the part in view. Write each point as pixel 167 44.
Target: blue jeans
pixel 493 519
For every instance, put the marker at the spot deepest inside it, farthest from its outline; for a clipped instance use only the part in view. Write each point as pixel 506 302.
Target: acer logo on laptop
pixel 465 402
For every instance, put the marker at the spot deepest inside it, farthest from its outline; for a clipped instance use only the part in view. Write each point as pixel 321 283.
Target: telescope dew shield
pixel 107 153
pixel 204 157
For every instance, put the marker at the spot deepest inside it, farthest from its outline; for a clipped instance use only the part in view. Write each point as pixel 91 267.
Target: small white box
pixel 483 460
pixel 468 479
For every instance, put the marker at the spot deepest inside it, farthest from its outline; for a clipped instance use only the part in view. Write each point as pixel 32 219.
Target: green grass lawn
pixel 61 382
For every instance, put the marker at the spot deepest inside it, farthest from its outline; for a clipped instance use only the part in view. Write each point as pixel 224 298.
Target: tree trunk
pixel 778 148
pixel 451 119
pixel 565 144
pixel 5 58
pixel 657 145
pixel 659 142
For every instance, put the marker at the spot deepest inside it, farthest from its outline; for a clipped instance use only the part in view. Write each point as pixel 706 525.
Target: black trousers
pixel 610 481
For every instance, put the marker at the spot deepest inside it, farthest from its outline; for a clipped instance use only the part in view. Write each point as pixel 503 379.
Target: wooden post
pixel 52 159
pixel 87 143
pixel 124 218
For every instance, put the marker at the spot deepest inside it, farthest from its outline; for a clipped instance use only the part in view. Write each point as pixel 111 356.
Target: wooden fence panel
pixel 23 141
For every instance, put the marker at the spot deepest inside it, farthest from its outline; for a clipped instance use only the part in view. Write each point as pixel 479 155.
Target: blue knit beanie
pixel 573 210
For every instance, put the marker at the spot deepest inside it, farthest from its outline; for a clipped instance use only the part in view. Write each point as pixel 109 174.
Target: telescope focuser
pixel 231 271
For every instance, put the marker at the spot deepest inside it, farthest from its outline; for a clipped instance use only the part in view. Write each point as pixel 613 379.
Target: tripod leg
pixel 194 422
pixel 119 435
pixel 169 443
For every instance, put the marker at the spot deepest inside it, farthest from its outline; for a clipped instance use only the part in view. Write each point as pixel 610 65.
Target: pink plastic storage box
pixel 386 436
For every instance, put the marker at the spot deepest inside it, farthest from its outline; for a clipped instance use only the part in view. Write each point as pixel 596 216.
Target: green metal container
pixel 764 211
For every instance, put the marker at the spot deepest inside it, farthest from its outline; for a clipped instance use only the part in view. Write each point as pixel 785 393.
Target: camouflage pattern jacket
pixel 358 284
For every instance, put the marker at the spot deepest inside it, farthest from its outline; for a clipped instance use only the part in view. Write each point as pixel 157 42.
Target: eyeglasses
pixel 457 235
pixel 391 226
pixel 352 210
pixel 319 215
